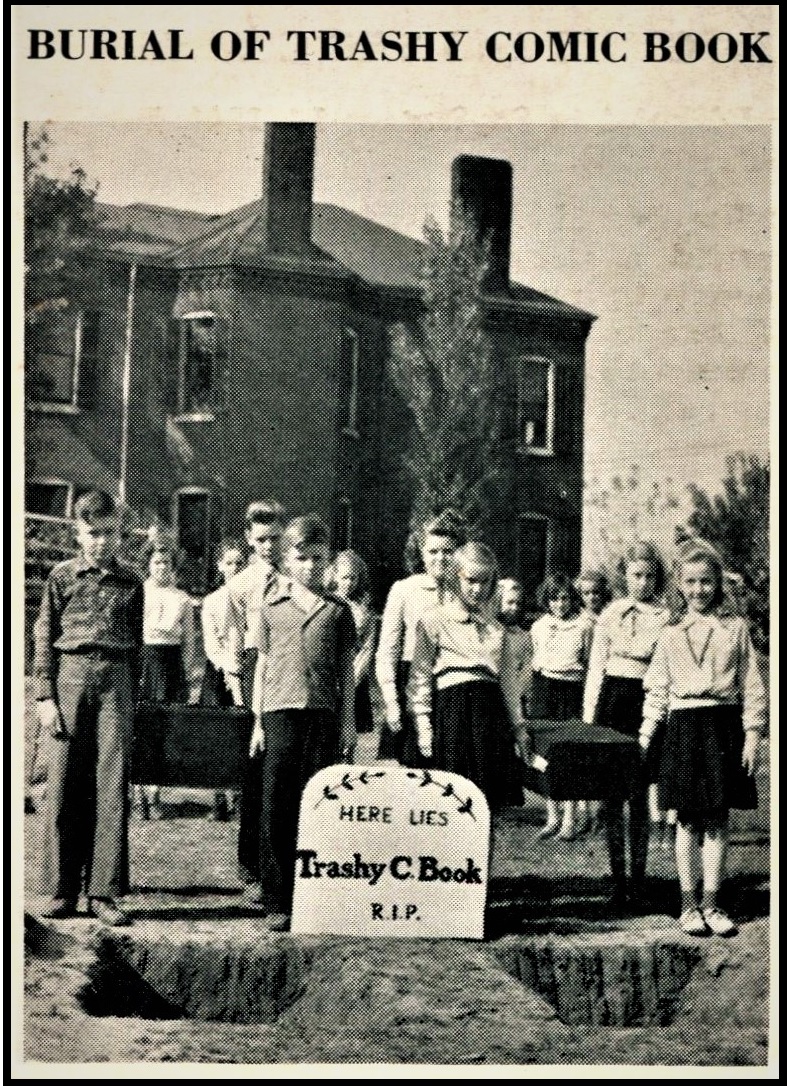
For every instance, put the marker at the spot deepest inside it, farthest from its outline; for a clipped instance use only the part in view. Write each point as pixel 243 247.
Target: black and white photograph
pixel 395 665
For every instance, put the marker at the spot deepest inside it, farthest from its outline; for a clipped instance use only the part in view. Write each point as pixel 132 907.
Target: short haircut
pixel 599 579
pixel 510 582
pixel 305 531
pixel 473 553
pixel 265 511
pixel 643 551
pixel 93 505
pixel 450 524
pixel 553 585
pixel 228 544
pixel 360 570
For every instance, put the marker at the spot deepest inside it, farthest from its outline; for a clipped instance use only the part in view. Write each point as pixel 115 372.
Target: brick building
pixel 211 359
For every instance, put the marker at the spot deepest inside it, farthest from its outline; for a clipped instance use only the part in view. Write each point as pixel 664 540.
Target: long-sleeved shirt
pixel 625 636
pixel 366 623
pixel 245 594
pixel 702 661
pixel 452 646
pixel 306 643
pixel 407 601
pixel 213 616
pixel 85 607
pixel 561 646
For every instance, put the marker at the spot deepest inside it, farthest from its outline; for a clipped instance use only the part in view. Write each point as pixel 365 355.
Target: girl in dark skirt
pixel 465 684
pixel 625 636
pixel 561 643
pixel 168 649
pixel 230 559
pixel 429 550
pixel 705 685
pixel 348 578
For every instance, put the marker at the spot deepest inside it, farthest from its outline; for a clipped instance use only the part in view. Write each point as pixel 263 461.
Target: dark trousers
pixel 298 742
pixel 249 809
pixel 87 785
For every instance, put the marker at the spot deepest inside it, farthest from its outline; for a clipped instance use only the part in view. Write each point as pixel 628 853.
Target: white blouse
pixel 561 646
pixel 704 660
pixel 214 629
pixel 408 600
pixel 169 619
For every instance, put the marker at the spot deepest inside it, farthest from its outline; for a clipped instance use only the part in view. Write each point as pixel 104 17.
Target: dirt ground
pixel 406 1001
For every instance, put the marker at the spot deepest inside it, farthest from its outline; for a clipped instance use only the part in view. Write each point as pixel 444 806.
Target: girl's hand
pixel 749 756
pixel 50 719
pixel 524 743
pixel 393 722
pixel 424 729
pixel 348 743
pixel 257 743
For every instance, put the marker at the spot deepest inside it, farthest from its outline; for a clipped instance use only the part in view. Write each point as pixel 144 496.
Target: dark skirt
pixel 620 707
pixel 214 689
pixel 555 699
pixel 700 771
pixel 162 676
pixel 364 718
pixel 472 737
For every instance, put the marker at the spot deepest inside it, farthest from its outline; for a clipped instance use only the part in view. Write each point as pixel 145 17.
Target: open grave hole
pixel 602 979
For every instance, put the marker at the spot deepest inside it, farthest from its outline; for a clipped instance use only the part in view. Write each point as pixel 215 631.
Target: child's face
pixel 307 565
pixel 592 596
pixel 511 601
pixel 641 579
pixel 160 569
pixel 229 564
pixel 475 584
pixel 436 555
pixel 345 579
pixel 698 585
pixel 264 541
pixel 561 604
pixel 100 540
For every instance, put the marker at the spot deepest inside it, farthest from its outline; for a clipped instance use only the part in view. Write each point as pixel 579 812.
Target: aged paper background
pixel 276 88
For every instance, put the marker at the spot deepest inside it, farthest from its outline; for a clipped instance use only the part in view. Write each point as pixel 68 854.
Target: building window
pixel 49 497
pixel 533 537
pixel 199 349
pixel 192 526
pixel 343 525
pixel 349 357
pixel 536 405
pixel 61 351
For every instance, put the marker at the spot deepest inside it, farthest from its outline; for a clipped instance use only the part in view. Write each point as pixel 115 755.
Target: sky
pixel 662 232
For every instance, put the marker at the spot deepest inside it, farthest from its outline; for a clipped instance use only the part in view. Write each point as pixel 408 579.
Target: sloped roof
pixel 378 255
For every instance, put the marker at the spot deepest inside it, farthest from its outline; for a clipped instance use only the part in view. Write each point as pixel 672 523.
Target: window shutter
pixel 87 347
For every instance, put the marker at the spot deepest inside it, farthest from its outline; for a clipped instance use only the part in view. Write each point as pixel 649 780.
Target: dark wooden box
pixel 583 761
pixel 196 746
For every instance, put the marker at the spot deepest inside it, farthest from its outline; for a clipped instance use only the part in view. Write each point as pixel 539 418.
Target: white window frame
pixel 523 446
pixel 72 407
pixel 190 491
pixel 41 480
pixel 350 425
pixel 182 414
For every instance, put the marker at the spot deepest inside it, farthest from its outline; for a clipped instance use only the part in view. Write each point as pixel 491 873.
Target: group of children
pixel 292 637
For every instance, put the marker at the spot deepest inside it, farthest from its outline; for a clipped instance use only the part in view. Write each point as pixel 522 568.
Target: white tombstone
pixel 389 851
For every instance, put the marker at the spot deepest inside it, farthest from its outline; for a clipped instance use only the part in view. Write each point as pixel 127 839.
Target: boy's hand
pixel 257 742
pixel 50 719
pixel 749 757
pixel 644 741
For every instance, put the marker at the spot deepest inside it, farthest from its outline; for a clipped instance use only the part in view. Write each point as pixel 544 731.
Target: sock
pixel 688 900
pixel 709 899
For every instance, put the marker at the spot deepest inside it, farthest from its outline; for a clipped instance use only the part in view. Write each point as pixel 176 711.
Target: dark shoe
pixel 59 908
pixel 108 912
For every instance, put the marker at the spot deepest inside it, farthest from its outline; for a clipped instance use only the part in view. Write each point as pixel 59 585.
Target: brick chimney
pixel 484 188
pixel 288 181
